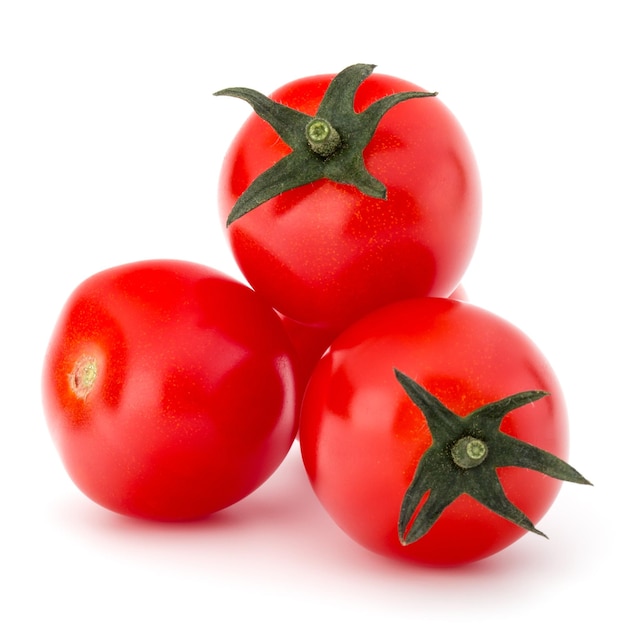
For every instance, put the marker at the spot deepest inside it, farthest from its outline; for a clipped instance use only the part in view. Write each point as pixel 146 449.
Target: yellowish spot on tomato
pixel 83 376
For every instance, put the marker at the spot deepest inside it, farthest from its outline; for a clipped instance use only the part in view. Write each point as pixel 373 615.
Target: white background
pixel 110 147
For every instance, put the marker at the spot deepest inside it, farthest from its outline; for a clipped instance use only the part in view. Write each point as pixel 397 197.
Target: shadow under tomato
pixel 282 525
pixel 284 500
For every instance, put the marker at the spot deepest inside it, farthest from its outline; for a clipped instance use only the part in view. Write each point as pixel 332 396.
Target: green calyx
pixel 463 458
pixel 328 145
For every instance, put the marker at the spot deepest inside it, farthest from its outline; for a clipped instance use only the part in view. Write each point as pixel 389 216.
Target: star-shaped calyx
pixel 327 145
pixel 463 458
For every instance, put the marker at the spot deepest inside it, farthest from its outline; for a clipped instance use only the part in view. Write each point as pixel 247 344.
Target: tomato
pixel 434 431
pixel 168 389
pixel 392 213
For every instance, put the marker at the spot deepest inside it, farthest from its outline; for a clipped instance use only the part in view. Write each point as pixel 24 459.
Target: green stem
pixel 322 138
pixel 469 452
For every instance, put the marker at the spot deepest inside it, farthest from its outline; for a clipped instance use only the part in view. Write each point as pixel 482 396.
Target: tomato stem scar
pixel 83 376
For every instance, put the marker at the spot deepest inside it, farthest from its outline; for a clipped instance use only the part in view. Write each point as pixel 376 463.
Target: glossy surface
pixel 186 401
pixel 325 253
pixel 362 437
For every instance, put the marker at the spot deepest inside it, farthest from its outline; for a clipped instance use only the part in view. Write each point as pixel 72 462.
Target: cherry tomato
pixel 168 389
pixel 332 248
pixel 434 431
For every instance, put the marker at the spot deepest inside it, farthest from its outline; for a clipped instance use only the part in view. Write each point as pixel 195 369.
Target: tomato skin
pixel 193 403
pixel 326 254
pixel 361 437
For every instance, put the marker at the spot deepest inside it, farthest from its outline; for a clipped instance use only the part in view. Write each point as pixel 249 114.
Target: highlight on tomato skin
pixel 363 438
pixel 326 253
pixel 168 390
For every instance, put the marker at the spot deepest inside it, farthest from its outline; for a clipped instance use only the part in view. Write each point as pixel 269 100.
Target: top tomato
pixel 389 209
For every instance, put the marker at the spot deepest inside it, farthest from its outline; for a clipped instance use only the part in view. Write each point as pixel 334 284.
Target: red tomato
pixel 168 389
pixel 364 440
pixel 325 253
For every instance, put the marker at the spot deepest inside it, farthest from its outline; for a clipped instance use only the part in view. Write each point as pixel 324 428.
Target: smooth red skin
pixel 326 254
pixel 361 436
pixel 194 404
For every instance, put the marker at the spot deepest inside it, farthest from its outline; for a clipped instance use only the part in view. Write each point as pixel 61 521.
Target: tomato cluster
pixel 431 429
